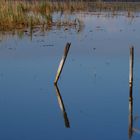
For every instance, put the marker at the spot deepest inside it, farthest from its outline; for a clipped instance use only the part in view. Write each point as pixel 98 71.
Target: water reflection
pixel 130 131
pixel 131 128
pixel 62 106
pixel 68 22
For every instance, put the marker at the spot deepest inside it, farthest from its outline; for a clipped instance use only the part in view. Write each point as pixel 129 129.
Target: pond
pixel 94 84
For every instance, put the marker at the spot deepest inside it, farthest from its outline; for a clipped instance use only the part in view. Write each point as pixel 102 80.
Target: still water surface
pixel 94 83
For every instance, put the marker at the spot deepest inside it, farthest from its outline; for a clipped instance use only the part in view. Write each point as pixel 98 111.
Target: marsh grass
pixel 19 14
pixel 24 14
pixel 28 14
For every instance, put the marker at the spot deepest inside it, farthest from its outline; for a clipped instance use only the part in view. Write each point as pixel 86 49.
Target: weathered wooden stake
pixel 131 65
pixel 62 107
pixel 62 62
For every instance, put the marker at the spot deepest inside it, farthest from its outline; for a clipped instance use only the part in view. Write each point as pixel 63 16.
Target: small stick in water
pixel 131 65
pixel 62 62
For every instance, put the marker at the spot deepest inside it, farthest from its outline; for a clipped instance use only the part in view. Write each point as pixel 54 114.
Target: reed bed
pixel 23 13
pixel 115 6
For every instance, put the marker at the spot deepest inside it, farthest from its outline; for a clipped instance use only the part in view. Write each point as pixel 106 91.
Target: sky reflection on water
pixel 94 83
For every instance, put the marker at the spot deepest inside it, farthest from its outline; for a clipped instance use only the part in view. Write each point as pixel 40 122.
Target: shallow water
pixel 94 84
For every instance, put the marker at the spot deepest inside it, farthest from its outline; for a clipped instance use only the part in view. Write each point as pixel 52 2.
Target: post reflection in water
pixel 130 131
pixel 62 106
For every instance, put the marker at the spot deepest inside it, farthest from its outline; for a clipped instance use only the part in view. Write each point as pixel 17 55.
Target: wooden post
pixel 131 65
pixel 62 62
pixel 62 107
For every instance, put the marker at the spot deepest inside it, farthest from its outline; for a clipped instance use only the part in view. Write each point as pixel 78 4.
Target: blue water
pixel 94 84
